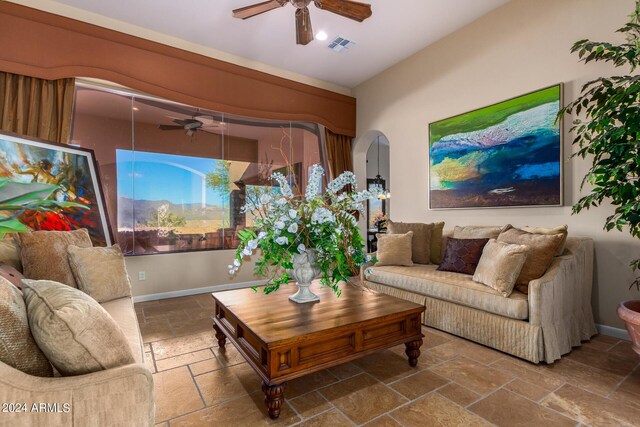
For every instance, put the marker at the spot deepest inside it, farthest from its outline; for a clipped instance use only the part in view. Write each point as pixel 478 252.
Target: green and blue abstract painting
pixel 507 154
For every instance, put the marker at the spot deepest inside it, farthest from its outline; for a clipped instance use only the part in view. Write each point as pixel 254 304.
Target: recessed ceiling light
pixel 135 109
pixel 321 35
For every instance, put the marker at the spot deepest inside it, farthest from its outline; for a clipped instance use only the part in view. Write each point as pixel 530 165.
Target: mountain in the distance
pixel 147 208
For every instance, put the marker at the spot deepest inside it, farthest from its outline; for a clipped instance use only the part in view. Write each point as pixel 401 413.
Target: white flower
pixel 285 188
pixel 252 244
pixel 265 198
pixel 293 213
pixel 281 201
pixel 236 263
pixel 231 272
pixel 301 248
pixel 345 178
pixel 282 240
pixel 322 215
pixel 247 251
pixel 315 181
pixel 368 258
pixel 230 267
pixel 293 228
pixel 262 235
pixel 279 225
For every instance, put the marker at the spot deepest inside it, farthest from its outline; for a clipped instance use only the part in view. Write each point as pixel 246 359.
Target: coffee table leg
pixel 220 336
pixel 413 351
pixel 274 398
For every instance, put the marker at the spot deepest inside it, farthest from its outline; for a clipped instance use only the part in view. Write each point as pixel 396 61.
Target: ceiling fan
pixel 304 34
pixel 192 125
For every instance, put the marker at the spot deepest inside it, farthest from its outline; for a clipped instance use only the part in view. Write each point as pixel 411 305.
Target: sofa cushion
pixel 10 253
pixel 44 254
pixel 436 242
pixel 124 314
pixel 420 242
pixel 18 349
pixel 478 231
pixel 562 229
pixel 394 249
pixel 462 255
pixel 76 334
pixel 542 249
pixel 100 272
pixel 500 265
pixel 452 287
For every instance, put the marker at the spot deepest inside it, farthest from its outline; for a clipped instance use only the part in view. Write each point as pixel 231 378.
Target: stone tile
pixel 331 418
pixel 155 331
pixel 161 313
pixel 309 404
pixel 165 424
pixel 418 384
pixel 427 329
pixel 475 376
pixel 198 313
pixel 385 421
pixel 386 366
pixel 609 361
pixel 189 327
pixel 181 345
pixel 426 359
pixel 590 409
pixel 437 411
pixel 147 347
pixel 362 398
pixel 241 412
pixel 629 390
pixel 528 372
pixel 467 349
pixel 459 394
pixel 308 383
pixel 624 349
pixel 228 355
pixel 526 389
pixel 175 394
pixel 432 339
pixel 205 366
pixel 346 370
pixel 148 359
pixel 594 379
pixel 504 408
pixel 183 359
pixel 226 384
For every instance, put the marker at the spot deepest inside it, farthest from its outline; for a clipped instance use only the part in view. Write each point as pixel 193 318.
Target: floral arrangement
pixel 288 224
pixel 379 219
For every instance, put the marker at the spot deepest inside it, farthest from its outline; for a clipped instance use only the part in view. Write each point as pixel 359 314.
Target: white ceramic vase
pixel 305 269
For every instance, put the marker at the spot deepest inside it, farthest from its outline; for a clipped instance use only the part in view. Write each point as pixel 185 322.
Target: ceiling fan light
pixel 321 35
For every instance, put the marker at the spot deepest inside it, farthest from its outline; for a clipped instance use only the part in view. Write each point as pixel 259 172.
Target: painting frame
pixel 94 173
pixel 560 158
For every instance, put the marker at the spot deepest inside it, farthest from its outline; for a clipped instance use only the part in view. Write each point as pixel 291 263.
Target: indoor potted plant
pixel 302 236
pixel 609 132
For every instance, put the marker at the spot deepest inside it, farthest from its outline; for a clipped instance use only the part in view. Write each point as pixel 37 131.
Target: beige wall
pixel 520 47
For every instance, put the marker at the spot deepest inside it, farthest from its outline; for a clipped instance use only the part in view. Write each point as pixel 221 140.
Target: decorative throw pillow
pixel 542 249
pixel 500 266
pixel 394 249
pixel 17 346
pixel 436 242
pixel 563 229
pixel 75 333
pixel 478 231
pixel 44 254
pixel 11 274
pixel 462 255
pixel 100 272
pixel 421 241
pixel 10 253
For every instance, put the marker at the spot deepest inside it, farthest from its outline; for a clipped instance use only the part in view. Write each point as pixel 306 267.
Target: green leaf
pixel 11 226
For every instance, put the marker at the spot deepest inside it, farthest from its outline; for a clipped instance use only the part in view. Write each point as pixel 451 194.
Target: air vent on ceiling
pixel 340 44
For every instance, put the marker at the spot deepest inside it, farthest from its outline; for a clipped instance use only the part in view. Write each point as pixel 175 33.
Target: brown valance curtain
pixel 35 107
pixel 338 153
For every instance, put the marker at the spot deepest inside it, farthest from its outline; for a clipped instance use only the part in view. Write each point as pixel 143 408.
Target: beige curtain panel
pixel 35 107
pixel 338 153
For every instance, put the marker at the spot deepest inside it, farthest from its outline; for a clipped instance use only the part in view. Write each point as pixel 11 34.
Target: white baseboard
pixel 613 332
pixel 187 292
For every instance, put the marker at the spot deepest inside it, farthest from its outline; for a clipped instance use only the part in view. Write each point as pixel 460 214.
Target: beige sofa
pixel 115 397
pixel 539 326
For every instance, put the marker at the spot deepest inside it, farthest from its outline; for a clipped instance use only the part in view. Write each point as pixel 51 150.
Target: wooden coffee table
pixel 283 340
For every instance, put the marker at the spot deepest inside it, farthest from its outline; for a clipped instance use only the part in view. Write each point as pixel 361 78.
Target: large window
pixel 175 176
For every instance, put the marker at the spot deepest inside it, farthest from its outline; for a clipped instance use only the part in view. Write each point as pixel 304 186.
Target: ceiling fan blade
pixel 170 127
pixel 304 32
pixel 257 9
pixel 347 8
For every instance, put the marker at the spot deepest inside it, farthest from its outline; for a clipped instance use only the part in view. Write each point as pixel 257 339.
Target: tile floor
pixel 457 382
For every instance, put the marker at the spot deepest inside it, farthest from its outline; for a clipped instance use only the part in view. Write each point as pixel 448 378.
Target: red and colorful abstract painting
pixel 47 186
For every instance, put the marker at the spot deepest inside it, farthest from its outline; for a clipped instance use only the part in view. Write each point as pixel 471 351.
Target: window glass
pixel 178 176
